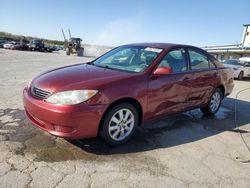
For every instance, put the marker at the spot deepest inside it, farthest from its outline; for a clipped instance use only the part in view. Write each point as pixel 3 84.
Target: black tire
pixel 106 124
pixel 209 110
pixel 67 51
pixel 241 75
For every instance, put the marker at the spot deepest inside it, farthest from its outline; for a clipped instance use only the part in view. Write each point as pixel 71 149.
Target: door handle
pixel 186 79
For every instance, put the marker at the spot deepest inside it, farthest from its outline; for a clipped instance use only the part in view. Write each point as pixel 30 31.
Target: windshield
pixel 36 41
pixel 232 62
pixel 127 58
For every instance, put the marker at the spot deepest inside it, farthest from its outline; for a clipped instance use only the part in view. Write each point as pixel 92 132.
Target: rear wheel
pixel 214 103
pixel 241 75
pixel 119 124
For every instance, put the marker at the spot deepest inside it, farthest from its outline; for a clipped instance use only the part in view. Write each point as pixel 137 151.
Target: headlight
pixel 71 97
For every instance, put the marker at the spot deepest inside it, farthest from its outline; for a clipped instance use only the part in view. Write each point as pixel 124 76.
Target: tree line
pixel 12 37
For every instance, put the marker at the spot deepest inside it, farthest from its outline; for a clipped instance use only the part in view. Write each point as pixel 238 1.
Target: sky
pixel 117 22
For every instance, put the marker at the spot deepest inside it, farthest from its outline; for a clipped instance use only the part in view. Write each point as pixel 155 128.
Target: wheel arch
pixel 222 88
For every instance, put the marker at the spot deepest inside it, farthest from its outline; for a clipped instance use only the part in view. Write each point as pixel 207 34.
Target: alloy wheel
pixel 215 101
pixel 121 124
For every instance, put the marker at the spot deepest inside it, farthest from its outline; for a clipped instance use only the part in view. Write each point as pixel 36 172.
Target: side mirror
pixel 163 71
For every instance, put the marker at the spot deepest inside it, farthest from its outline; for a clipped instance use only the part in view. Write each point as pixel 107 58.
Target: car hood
pixel 81 76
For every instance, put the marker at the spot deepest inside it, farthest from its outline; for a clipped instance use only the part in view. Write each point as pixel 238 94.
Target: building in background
pixel 233 51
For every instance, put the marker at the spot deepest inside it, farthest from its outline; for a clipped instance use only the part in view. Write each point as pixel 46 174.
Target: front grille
pixel 39 93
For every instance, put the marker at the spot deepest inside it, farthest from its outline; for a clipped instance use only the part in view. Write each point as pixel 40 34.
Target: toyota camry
pixel 126 87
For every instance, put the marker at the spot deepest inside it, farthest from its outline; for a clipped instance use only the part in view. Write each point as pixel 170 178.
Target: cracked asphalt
pixel 186 150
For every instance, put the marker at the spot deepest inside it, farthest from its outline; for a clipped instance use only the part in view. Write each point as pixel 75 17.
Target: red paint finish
pixel 168 94
pixel 75 121
pixel 157 94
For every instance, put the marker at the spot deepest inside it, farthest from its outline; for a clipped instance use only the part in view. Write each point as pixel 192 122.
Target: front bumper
pixel 72 122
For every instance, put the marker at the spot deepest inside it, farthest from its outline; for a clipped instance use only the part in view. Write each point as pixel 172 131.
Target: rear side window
pixel 176 59
pixel 198 60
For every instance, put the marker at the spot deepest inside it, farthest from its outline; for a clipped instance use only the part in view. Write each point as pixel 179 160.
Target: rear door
pixel 205 77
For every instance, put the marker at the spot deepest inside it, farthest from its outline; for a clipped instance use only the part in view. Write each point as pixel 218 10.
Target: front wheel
pixel 119 124
pixel 214 103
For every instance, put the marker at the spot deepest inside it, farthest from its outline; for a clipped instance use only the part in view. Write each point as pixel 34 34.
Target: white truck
pixel 241 67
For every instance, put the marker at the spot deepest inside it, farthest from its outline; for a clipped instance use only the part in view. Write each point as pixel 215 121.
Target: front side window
pixel 198 60
pixel 176 59
pixel 128 58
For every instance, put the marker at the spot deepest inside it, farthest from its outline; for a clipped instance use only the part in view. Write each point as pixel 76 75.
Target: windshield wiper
pixel 103 66
pixel 108 67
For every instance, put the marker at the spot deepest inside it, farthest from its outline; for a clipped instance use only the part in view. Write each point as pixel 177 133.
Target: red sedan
pixel 126 87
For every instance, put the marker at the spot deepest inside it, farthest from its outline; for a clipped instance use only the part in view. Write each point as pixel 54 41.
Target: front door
pixel 170 93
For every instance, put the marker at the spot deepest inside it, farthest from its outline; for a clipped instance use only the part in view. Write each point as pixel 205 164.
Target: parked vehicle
pixel 36 45
pixel 123 89
pixel 241 68
pixel 2 42
pixel 49 48
pixel 8 45
pixel 19 46
pixel 246 59
pixel 59 48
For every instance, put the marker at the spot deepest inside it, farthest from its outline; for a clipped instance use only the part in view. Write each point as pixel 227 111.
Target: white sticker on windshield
pixel 157 50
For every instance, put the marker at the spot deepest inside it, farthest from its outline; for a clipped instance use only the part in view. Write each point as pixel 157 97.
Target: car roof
pixel 232 60
pixel 159 45
pixel 245 59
